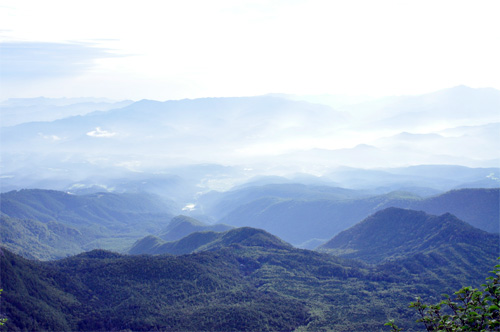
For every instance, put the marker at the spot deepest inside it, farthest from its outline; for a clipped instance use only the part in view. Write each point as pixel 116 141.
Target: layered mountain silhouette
pixel 247 279
pixel 22 110
pixel 395 233
pixel 300 220
pixel 261 133
pixel 181 226
pixel 66 224
pixel 208 240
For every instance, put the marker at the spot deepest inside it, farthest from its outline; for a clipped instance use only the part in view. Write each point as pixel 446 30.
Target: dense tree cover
pixel 247 280
pixel 37 240
pixel 285 217
pixel 3 319
pixel 218 204
pixel 396 232
pixel 49 224
pixel 202 241
pixel 470 309
pixel 68 224
pixel 478 207
pixel 181 226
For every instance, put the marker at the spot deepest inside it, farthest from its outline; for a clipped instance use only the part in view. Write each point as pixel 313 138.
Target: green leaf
pixel 493 307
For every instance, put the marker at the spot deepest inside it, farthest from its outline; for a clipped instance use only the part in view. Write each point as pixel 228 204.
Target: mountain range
pixel 62 224
pixel 395 233
pixel 275 212
pixel 180 226
pixel 300 220
pixel 247 279
pixel 262 135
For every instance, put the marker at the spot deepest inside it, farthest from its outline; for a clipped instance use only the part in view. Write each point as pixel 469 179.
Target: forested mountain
pixel 37 240
pixel 209 240
pixel 479 207
pixel 299 220
pixel 65 224
pixel 48 224
pixel 115 211
pixel 248 280
pixel 395 233
pixel 219 204
pixel 182 226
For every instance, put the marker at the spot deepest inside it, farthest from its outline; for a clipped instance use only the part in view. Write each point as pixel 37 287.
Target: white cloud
pixel 98 132
pixel 53 138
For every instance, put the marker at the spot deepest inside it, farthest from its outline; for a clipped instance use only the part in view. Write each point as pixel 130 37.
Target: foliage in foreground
pixel 2 320
pixel 471 309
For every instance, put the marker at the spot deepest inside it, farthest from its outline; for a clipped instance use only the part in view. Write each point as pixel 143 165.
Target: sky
pixel 196 48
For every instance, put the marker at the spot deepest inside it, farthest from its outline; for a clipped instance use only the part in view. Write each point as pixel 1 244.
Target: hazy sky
pixel 196 48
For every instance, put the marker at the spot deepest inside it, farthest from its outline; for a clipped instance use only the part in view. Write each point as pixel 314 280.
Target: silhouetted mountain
pixel 182 226
pixel 297 221
pixel 270 135
pixel 458 105
pixel 202 241
pixel 478 207
pixel 21 110
pixel 396 233
pixel 206 129
pixel 219 204
pixel 428 177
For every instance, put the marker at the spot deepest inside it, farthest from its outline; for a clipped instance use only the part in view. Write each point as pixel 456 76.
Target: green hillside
pixel 36 240
pixel 49 224
pixel 202 241
pixel 181 226
pixel 396 233
pixel 246 280
pixel 478 207
pixel 300 220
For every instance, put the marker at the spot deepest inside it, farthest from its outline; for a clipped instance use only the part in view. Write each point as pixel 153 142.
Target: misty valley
pixel 268 213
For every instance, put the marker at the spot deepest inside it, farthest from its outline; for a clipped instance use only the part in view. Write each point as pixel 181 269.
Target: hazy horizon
pixel 282 87
pixel 174 50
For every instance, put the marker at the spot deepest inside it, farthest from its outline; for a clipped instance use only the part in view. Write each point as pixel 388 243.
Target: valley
pixel 272 213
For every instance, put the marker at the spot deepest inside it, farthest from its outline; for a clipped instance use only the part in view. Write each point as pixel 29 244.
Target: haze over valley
pixel 249 165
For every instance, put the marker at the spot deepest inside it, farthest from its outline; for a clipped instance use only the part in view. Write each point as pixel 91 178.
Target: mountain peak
pixel 209 240
pixel 252 237
pixel 393 232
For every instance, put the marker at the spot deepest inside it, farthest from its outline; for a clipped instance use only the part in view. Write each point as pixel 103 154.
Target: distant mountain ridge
pixel 22 110
pixel 394 233
pixel 54 224
pixel 297 221
pixel 181 226
pixel 208 240
pixel 265 132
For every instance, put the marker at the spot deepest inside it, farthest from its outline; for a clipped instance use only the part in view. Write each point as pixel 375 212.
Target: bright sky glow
pixel 194 48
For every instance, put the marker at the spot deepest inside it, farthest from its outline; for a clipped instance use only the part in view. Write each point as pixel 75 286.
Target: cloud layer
pixel 39 60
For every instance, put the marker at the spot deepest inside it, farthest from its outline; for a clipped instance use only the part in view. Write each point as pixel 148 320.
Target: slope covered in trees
pixel 202 241
pixel 245 279
pixel 300 220
pixel 181 226
pixel 395 233
pixel 48 224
